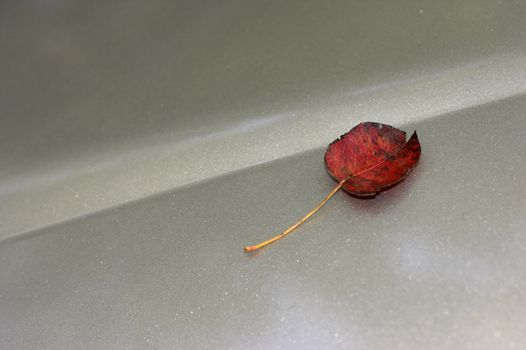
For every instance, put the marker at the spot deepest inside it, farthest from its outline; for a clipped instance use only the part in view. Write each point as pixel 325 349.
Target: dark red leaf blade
pixel 372 157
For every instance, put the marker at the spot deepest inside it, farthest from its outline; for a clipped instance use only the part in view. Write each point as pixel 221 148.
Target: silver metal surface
pixel 143 144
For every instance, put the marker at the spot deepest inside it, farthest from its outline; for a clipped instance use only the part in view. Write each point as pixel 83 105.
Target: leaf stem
pixel 298 224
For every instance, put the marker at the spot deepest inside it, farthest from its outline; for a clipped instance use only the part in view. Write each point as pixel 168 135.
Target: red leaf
pixel 368 159
pixel 372 157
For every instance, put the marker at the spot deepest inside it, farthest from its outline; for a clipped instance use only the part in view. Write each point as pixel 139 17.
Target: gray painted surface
pixel 212 120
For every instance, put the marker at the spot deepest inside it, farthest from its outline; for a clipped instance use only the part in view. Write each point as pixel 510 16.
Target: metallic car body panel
pixel 143 144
